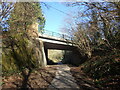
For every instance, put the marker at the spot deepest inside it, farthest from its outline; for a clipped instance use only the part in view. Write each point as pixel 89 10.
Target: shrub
pixel 19 52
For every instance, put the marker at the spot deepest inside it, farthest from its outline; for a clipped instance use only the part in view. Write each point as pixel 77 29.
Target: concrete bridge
pixel 55 41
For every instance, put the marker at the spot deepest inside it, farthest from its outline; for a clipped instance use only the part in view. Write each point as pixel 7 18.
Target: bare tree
pixel 5 11
pixel 97 24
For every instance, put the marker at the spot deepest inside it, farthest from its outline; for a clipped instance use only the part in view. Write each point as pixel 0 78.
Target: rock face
pixel 33 30
pixel 38 48
pixel 40 53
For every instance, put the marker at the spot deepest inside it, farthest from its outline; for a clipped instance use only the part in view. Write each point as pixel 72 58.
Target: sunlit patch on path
pixel 63 79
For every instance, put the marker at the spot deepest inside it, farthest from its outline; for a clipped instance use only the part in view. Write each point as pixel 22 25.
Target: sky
pixel 55 18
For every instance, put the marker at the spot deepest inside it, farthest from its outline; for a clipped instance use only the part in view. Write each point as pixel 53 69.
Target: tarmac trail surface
pixel 63 79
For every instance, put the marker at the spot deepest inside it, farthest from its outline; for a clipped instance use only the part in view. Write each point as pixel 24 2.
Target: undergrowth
pixel 104 69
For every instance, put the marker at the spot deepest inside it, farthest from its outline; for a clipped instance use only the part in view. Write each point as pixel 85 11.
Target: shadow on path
pixel 63 79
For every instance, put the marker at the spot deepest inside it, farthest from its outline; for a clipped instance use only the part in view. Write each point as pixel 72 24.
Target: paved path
pixel 63 79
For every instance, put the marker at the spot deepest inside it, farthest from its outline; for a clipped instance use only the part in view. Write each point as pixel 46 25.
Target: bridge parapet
pixel 54 35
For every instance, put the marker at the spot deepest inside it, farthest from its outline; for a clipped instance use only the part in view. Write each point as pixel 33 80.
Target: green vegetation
pixel 18 52
pixel 96 33
pixel 55 55
pixel 21 50
pixel 24 15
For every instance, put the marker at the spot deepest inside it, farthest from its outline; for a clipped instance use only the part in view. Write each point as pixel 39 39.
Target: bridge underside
pixel 48 45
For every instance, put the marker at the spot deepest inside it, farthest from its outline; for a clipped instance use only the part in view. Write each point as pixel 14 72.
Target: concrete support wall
pixel 72 57
pixel 76 58
pixel 46 54
pixel 44 60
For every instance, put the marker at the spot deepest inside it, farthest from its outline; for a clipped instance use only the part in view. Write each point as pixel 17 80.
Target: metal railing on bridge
pixel 56 35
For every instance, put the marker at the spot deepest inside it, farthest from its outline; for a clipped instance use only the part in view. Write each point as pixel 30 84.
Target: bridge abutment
pixel 46 54
pixel 43 54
